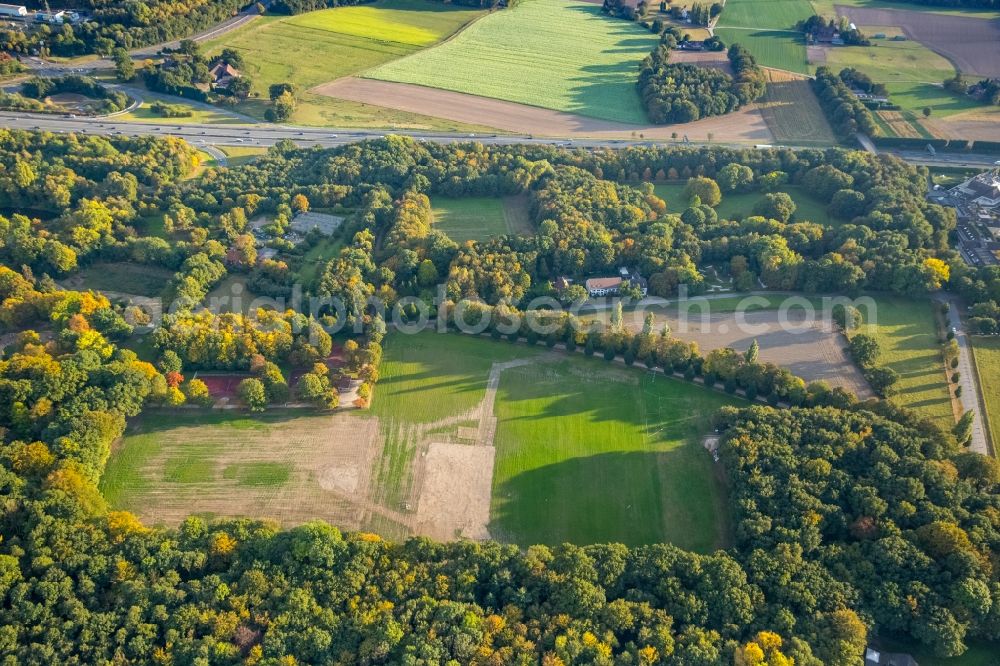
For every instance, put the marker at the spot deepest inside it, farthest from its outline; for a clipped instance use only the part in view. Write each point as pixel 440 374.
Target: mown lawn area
pixel 309 49
pixel 480 218
pixel 736 206
pixel 767 28
pixel 907 335
pixel 556 54
pixel 987 354
pixel 240 155
pixel 588 452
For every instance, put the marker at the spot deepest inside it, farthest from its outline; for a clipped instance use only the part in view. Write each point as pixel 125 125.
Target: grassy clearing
pixel 887 61
pixel 590 453
pixel 316 258
pixel 199 115
pixel 259 473
pixel 481 218
pixel 915 96
pixel 907 334
pixel 556 54
pixel 737 206
pixel 767 28
pixel 314 48
pixel 240 155
pixel 987 356
pixel 792 112
pixel 123 277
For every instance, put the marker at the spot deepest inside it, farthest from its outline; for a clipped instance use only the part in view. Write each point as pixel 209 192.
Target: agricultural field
pixel 907 335
pixel 290 467
pixel 986 351
pixel 555 54
pixel 736 206
pixel 481 218
pixel 121 277
pixel 589 453
pixel 792 111
pixel 314 48
pixel 767 28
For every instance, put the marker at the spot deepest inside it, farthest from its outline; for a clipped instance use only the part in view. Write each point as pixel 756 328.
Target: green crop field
pixel 556 54
pixel 908 338
pixel 314 48
pixel 736 206
pixel 588 452
pixel 767 28
pixel 480 218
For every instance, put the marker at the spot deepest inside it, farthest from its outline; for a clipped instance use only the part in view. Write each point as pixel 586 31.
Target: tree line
pixel 846 113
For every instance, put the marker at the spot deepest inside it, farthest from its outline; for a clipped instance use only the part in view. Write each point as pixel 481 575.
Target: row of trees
pixel 111 101
pixel 846 113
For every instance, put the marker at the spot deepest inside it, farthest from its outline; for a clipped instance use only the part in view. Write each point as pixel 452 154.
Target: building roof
pixel 875 657
pixel 223 70
pixel 604 283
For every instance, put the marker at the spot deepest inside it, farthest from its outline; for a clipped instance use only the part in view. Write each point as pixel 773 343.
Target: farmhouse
pixel 223 74
pixel 609 286
pixel 875 657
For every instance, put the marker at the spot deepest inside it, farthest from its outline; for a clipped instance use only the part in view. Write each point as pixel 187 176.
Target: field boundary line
pixel 981 401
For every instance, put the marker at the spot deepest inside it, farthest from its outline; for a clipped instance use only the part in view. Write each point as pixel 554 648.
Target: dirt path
pixel 746 125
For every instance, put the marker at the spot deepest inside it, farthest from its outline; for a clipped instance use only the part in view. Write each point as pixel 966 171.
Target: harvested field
pixel 792 112
pixel 898 124
pixel 978 125
pixel 282 467
pixel 971 44
pixel 810 350
pixel 744 126
pixel 716 59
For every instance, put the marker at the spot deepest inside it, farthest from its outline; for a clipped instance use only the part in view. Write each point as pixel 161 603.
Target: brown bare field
pixel 716 59
pixel 978 125
pixel 744 126
pixel 457 488
pixel 971 44
pixel 286 468
pixel 792 112
pixel 900 125
pixel 811 350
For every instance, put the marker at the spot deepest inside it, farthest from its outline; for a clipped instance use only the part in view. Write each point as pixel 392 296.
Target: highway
pixel 265 135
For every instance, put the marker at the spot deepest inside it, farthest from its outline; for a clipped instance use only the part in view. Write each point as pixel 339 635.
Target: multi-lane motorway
pixel 267 135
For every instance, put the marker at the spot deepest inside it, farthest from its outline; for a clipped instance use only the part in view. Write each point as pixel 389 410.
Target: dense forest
pixel 681 93
pixel 846 113
pixel 121 23
pixel 850 518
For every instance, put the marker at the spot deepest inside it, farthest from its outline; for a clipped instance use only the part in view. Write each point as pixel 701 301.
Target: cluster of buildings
pixel 977 206
pixel 598 287
pixel 300 225
pixel 20 12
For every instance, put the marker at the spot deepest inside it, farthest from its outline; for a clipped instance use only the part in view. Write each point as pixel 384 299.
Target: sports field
pixel 987 353
pixel 313 48
pixel 792 112
pixel 556 54
pixel 588 452
pixel 907 335
pixel 481 218
pixel 767 28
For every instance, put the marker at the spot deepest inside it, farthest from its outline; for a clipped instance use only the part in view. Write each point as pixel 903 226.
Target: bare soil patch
pixel 976 125
pixel 743 126
pixel 716 59
pixel 971 44
pixel 456 492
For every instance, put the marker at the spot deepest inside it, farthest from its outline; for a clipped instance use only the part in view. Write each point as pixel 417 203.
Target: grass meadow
pixel 556 54
pixel 480 218
pixel 309 49
pixel 908 338
pixel 987 355
pixel 588 452
pixel 124 277
pixel 736 206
